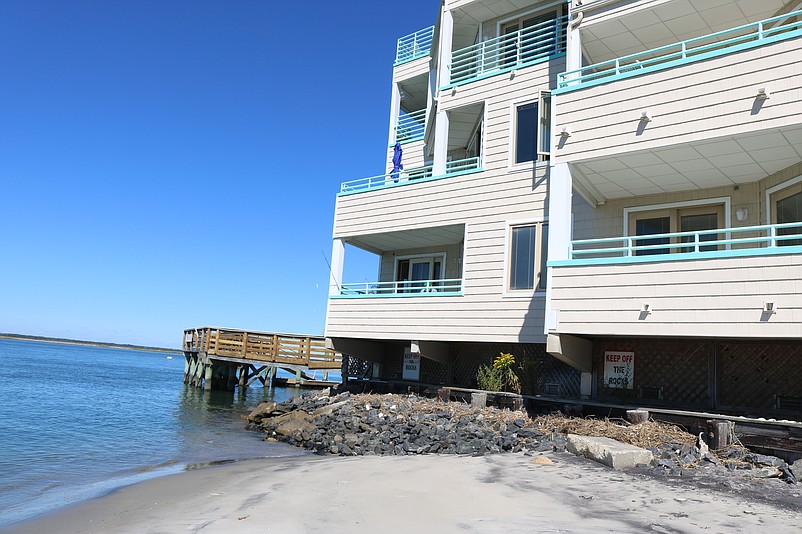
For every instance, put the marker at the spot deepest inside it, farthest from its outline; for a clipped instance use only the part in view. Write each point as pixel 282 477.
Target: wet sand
pixel 490 494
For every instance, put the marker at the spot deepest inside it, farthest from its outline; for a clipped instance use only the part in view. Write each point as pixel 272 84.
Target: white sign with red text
pixel 619 369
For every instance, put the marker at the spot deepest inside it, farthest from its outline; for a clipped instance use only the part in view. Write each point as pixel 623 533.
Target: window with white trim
pixel 527 256
pixel 419 271
pixel 532 130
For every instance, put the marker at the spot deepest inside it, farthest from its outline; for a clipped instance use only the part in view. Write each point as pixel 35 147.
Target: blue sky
pixel 168 164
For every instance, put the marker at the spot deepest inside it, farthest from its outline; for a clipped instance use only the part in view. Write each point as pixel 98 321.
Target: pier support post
pixel 186 367
pixel 297 378
pixel 207 384
pixel 243 374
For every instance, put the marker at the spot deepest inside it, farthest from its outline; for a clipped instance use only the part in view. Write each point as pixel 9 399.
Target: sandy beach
pixel 500 493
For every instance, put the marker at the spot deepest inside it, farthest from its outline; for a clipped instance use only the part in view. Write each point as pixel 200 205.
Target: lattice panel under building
pixel 357 367
pixel 673 373
pixel 543 373
pixel 760 376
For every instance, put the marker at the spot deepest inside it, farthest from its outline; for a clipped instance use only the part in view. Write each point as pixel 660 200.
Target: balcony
pixel 726 282
pixel 417 288
pixel 535 44
pixel 713 111
pixel 682 246
pixel 714 45
pixel 413 46
pixel 410 176
pixel 410 126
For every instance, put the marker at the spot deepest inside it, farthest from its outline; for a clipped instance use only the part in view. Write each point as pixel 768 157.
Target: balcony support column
pixel 573 52
pixel 560 217
pixel 446 36
pixel 395 112
pixel 440 159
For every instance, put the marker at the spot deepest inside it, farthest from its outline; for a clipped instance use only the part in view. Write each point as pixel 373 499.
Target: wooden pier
pixel 222 358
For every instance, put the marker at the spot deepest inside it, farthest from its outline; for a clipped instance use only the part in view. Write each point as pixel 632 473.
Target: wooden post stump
pixel 479 399
pixel 720 434
pixel 443 394
pixel 637 416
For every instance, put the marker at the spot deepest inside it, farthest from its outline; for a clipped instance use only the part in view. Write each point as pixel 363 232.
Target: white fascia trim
pixel 779 187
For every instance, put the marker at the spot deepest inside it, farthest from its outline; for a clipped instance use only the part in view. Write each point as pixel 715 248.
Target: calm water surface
pixel 77 421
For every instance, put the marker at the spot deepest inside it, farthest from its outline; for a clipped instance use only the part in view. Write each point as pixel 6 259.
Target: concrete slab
pixel 608 451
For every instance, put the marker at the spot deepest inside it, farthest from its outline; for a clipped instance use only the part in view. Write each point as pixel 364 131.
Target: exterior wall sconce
pixel 565 132
pixel 741 214
pixel 763 93
pixel 645 116
pixel 769 307
pixel 646 309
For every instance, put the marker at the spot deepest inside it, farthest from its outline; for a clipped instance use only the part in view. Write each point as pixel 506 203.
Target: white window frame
pixel 770 192
pixel 506 292
pixel 512 133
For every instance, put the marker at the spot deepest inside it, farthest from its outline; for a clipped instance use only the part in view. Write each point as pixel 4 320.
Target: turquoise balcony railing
pixel 410 127
pixel 677 246
pixel 414 45
pixel 717 44
pixel 409 176
pixel 417 288
pixel 509 52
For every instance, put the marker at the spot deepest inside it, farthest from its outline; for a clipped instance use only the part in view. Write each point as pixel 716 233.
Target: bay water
pixel 78 421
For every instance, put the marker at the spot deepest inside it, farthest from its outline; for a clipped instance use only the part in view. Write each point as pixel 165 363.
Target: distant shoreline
pixel 22 337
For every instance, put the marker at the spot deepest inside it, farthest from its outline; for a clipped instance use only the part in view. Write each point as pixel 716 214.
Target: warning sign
pixel 411 365
pixel 619 369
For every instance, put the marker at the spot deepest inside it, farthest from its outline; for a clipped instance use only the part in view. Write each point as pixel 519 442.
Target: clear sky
pixel 167 164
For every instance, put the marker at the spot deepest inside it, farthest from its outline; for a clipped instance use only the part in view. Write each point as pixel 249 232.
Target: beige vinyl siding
pixel 476 318
pixel 720 297
pixel 412 156
pixel 695 102
pixel 410 69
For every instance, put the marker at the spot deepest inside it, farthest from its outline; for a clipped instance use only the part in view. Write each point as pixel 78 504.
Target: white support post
pixel 440 144
pixel 444 60
pixel 395 111
pixel 573 45
pixel 337 263
pixel 560 216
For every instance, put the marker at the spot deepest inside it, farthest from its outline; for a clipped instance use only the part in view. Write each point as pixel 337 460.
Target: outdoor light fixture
pixel 741 214
pixel 769 307
pixel 565 132
pixel 646 308
pixel 645 116
pixel 763 93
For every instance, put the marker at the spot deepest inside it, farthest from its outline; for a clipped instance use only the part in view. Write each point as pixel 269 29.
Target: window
pixel 527 257
pixel 672 220
pixel 533 130
pixel 788 209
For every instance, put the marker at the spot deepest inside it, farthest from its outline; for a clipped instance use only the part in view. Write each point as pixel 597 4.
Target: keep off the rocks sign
pixel 619 369
pixel 411 365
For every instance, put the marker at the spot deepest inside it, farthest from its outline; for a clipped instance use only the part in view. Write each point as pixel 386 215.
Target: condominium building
pixel 608 189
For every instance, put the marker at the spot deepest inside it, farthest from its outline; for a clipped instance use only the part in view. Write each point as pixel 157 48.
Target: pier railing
pixel 263 347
